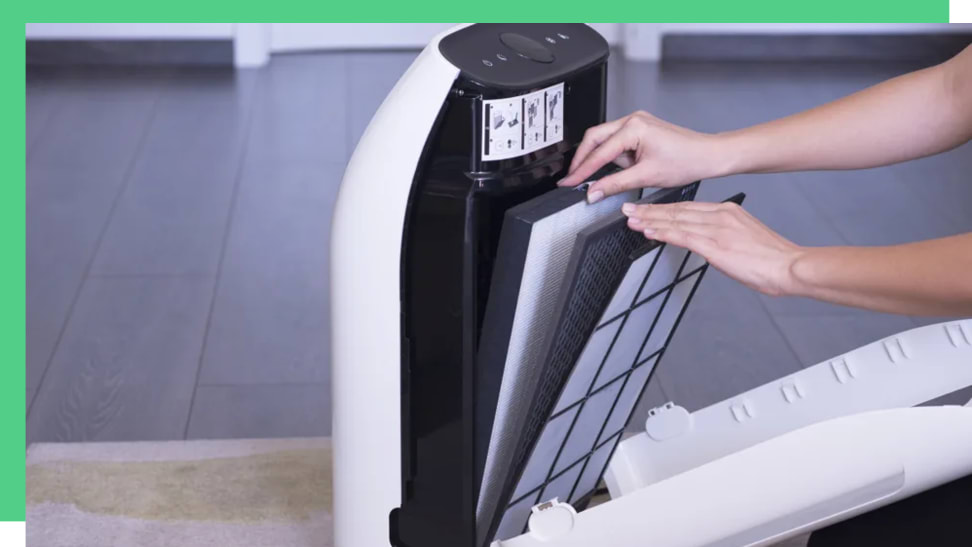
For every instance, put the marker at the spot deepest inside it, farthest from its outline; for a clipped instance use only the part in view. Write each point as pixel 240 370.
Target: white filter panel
pixel 590 367
pixel 550 242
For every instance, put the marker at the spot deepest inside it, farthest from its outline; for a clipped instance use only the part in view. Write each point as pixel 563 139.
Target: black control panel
pixel 528 48
pixel 516 56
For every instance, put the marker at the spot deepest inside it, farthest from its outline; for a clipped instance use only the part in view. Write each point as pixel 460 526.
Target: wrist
pixel 800 272
pixel 727 154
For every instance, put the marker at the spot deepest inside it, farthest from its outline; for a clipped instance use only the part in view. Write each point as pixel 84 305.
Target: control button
pixel 551 40
pixel 487 62
pixel 563 36
pixel 501 57
pixel 526 47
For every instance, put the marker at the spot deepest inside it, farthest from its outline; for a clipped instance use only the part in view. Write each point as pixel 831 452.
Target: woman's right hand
pixel 651 151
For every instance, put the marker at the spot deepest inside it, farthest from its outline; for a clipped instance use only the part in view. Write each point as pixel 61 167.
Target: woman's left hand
pixel 727 236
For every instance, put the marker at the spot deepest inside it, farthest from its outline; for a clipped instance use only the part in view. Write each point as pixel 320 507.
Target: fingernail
pixel 561 182
pixel 628 208
pixel 649 231
pixel 634 222
pixel 595 196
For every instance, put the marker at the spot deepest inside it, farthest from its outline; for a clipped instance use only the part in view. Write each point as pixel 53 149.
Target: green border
pixel 668 11
pixel 12 278
pixel 13 234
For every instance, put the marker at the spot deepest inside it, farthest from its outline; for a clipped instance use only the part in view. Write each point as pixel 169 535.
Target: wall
pixel 254 42
pixel 128 31
pixel 301 36
pixel 642 41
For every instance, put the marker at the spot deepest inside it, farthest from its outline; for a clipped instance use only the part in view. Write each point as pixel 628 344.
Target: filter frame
pixel 634 247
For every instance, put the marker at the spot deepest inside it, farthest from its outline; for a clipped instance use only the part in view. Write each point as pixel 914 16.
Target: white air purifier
pixel 492 334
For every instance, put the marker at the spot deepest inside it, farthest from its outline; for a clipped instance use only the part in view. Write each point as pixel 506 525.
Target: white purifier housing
pixel 493 333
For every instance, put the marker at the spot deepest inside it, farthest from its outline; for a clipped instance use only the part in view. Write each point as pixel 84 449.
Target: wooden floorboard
pixel 125 368
pixel 258 411
pixel 79 165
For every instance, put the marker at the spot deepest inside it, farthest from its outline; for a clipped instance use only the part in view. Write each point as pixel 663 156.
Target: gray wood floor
pixel 178 219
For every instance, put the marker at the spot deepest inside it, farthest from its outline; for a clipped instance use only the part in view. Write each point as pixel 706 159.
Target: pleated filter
pixel 532 258
pixel 580 311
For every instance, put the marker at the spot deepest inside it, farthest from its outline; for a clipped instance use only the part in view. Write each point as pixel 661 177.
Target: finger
pixel 701 228
pixel 684 211
pixel 719 211
pixel 625 160
pixel 615 183
pixel 610 149
pixel 679 215
pixel 693 241
pixel 593 137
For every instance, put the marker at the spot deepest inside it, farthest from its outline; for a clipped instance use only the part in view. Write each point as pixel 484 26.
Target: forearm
pixel 911 116
pixel 926 278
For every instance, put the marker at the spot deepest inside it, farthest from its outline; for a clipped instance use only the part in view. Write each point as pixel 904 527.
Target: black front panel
pixel 452 228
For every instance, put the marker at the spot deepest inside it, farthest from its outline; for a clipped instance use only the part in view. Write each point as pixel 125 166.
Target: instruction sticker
pixel 515 126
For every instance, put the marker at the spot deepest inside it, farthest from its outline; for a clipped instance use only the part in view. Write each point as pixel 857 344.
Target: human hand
pixel 652 152
pixel 727 236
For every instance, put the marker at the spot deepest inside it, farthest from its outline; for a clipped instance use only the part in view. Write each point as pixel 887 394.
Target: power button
pixel 527 47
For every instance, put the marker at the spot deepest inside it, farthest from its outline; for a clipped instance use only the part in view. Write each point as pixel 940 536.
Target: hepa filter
pixel 590 354
pixel 618 301
pixel 533 254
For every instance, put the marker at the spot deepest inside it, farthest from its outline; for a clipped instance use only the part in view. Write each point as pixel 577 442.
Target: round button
pixel 526 47
pixel 487 62
pixel 501 57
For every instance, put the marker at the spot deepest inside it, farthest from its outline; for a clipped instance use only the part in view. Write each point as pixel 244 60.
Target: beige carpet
pixel 259 493
pixel 233 493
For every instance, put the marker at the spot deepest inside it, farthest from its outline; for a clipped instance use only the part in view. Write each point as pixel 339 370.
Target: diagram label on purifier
pixel 515 126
